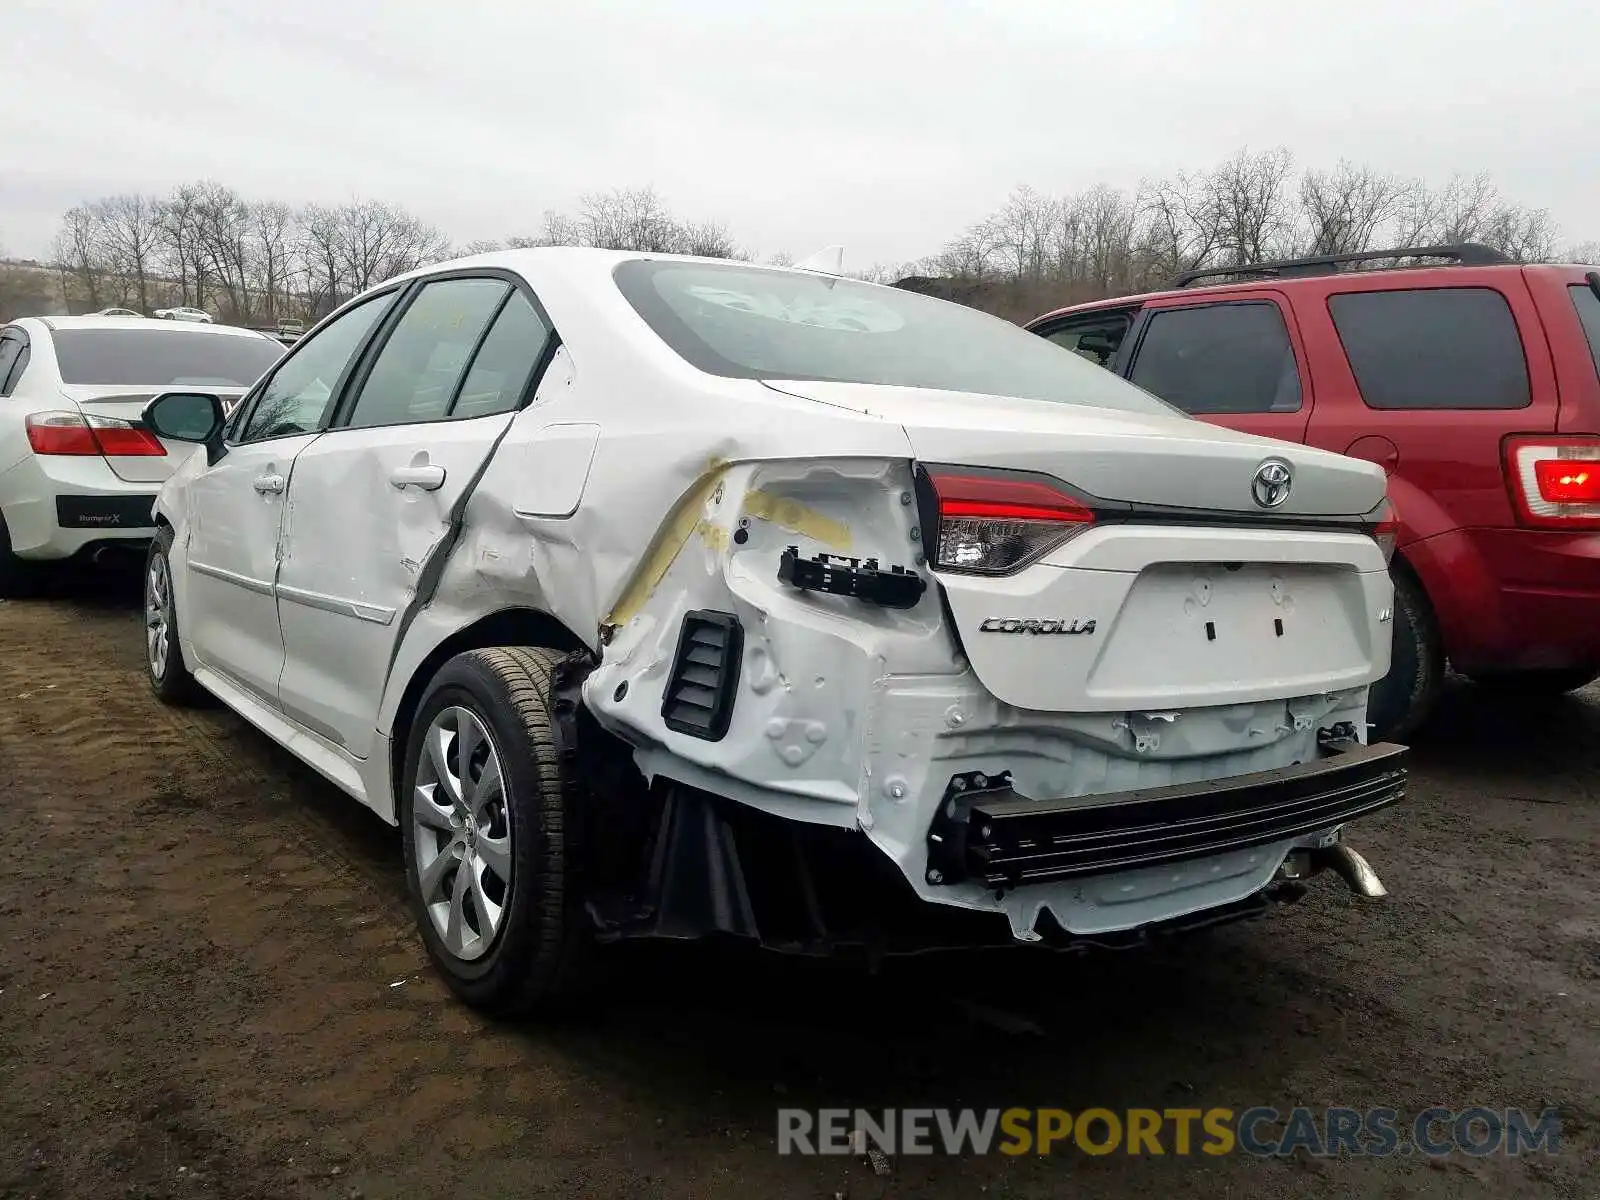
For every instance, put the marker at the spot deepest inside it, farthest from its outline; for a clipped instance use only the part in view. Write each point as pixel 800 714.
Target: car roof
pixel 160 328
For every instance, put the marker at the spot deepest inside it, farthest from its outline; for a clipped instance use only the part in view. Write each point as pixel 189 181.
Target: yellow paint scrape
pixel 797 518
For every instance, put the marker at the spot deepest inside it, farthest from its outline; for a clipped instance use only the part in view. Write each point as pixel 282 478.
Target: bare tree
pixel 708 239
pixel 1586 253
pixel 224 228
pixel 1343 210
pixel 178 224
pixel 272 231
pixel 628 219
pixel 1248 202
pixel 379 241
pixel 131 240
pixel 80 253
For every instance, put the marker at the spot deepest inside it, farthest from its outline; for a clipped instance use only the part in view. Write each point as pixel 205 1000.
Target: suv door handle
pixel 422 476
pixel 270 483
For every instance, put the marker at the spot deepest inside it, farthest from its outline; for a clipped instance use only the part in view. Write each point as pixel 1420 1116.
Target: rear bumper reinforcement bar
pixel 986 832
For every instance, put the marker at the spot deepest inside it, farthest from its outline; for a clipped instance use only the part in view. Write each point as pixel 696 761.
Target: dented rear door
pixel 374 500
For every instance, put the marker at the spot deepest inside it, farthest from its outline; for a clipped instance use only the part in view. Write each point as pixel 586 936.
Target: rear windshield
pixel 1588 306
pixel 751 323
pixel 164 358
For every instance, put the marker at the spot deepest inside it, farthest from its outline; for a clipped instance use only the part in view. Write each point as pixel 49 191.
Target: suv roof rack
pixel 1464 254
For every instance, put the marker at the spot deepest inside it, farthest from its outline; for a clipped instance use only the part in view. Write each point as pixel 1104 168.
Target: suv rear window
pixel 166 358
pixel 754 323
pixel 1435 348
pixel 1588 306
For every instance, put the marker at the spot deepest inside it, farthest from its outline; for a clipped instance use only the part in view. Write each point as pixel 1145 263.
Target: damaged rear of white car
pixel 827 616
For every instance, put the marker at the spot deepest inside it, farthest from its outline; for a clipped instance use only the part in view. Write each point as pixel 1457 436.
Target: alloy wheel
pixel 461 826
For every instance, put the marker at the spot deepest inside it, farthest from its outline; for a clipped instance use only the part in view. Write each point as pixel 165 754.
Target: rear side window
pixel 504 363
pixel 162 358
pixel 1436 348
pixel 1588 306
pixel 1220 358
pixel 415 376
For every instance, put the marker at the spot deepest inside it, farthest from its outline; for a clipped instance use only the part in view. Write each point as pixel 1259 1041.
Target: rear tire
pixel 164 667
pixel 18 576
pixel 491 844
pixel 1548 681
pixel 1402 700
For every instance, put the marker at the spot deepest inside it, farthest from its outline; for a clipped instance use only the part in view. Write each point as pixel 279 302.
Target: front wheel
pixel 489 819
pixel 165 669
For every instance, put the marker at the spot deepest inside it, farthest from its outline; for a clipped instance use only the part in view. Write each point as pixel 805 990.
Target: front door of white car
pixel 235 509
pixel 402 453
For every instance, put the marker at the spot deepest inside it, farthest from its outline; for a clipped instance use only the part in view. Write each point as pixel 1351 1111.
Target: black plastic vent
pixel 698 700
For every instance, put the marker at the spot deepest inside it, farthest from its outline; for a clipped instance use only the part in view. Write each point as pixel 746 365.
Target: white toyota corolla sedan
pixel 666 597
pixel 78 471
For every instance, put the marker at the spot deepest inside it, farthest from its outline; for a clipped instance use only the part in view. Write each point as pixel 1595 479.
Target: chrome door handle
pixel 270 484
pixel 422 476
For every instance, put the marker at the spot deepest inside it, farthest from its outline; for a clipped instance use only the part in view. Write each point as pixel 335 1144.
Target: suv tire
pixel 1549 681
pixel 492 870
pixel 1403 699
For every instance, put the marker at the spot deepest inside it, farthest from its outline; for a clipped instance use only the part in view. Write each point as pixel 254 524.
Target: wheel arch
pixel 504 627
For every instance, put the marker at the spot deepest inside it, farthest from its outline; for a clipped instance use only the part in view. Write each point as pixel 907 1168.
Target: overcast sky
pixel 883 124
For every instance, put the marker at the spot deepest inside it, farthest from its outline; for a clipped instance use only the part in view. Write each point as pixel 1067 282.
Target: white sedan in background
pixel 665 597
pixel 184 313
pixel 78 473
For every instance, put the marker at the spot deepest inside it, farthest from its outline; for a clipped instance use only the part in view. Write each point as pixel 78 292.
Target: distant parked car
pixel 289 327
pixel 185 313
pixel 118 312
pixel 1474 385
pixel 78 471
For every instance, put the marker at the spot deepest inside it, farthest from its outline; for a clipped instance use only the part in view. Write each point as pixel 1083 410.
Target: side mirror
pixel 185 416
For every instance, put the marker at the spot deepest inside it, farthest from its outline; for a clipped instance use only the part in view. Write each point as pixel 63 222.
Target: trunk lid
pixel 126 404
pixel 1150 619
pixel 1170 461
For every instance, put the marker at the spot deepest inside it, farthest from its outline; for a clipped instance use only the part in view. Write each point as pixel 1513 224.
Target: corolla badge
pixel 1031 625
pixel 1274 479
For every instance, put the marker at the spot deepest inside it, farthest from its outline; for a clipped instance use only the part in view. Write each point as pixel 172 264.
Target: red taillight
pixel 1555 480
pixel 992 523
pixel 69 433
pixel 1562 481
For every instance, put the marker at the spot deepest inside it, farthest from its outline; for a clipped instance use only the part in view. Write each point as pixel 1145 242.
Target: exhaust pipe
pixel 1355 870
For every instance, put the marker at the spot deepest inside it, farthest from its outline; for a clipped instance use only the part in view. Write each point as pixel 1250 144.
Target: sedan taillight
pixel 996 522
pixel 70 433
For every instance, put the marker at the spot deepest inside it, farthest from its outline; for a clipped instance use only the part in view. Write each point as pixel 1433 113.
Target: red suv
pixel 1475 384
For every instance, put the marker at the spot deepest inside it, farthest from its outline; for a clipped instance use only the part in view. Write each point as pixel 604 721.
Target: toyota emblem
pixel 1272 483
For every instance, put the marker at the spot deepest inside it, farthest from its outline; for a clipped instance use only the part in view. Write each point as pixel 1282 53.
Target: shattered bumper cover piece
pixel 986 832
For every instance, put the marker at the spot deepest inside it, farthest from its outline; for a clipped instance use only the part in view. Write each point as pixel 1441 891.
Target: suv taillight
pixel 1555 480
pixel 70 433
pixel 996 522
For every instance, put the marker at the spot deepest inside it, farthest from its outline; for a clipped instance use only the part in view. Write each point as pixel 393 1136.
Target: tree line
pixel 260 261
pixel 1038 250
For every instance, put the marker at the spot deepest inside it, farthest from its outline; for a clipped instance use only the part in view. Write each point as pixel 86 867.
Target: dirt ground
pixel 209 987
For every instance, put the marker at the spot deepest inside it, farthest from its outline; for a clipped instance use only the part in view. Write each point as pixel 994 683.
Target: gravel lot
pixel 209 987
